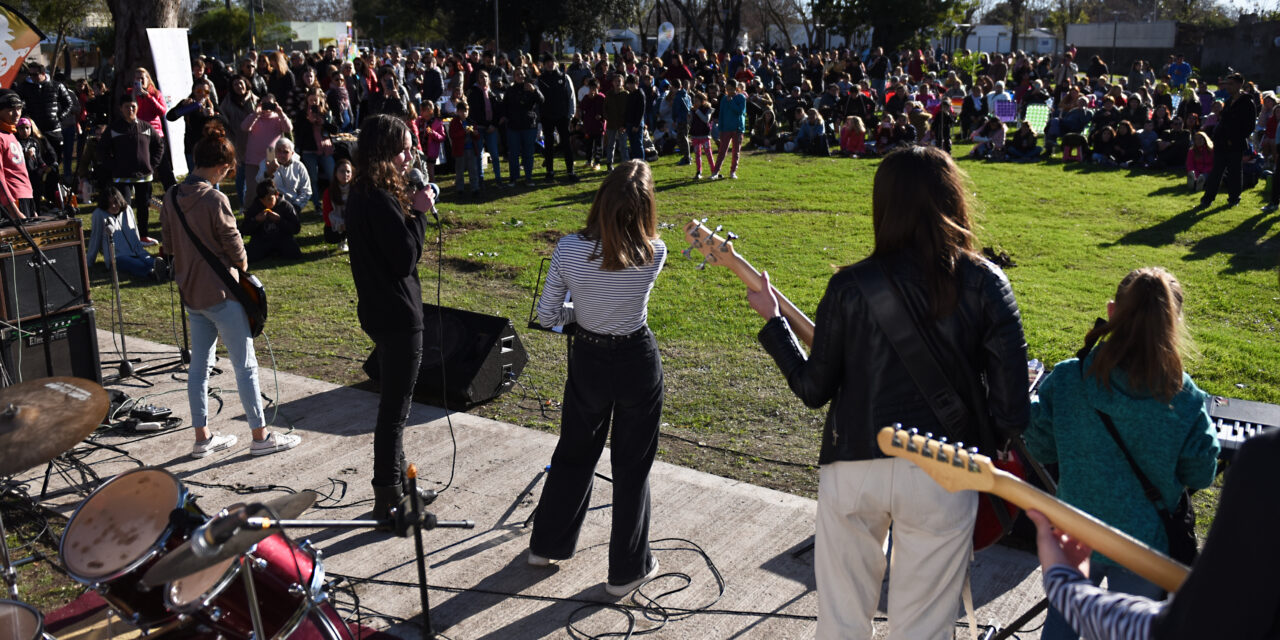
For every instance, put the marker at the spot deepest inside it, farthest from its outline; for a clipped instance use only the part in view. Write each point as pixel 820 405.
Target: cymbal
pixel 41 419
pixel 183 561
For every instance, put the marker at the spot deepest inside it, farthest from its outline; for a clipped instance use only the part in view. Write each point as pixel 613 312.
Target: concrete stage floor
pixel 481 586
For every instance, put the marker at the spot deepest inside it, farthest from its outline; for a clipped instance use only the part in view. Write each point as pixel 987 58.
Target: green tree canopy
pixel 229 28
pixel 895 22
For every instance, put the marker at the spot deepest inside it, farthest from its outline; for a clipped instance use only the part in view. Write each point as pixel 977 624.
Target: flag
pixel 18 38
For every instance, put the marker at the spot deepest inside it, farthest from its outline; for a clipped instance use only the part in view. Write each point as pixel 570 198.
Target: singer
pixel 385 230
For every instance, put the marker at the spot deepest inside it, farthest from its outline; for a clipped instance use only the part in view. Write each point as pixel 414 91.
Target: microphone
pixel 418 182
pixel 206 539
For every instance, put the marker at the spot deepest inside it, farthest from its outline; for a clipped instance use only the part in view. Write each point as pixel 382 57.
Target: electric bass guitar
pixel 959 469
pixel 718 251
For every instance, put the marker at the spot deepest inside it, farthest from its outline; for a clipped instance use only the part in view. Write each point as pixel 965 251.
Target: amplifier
pixel 63 242
pixel 73 347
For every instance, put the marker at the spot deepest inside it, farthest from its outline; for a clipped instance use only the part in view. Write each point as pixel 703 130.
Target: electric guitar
pixel 718 251
pixel 959 469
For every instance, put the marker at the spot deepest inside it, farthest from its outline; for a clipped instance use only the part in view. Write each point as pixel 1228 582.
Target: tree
pixel 230 29
pixel 403 21
pixel 132 18
pixel 895 22
pixel 58 18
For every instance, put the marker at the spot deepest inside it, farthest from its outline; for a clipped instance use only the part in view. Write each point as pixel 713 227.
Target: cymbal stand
pixel 125 362
pixel 410 514
pixel 255 614
pixel 10 575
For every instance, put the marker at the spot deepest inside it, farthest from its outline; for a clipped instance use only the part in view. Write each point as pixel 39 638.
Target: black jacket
pixel 475 102
pixel 47 103
pixel 521 107
pixel 129 150
pixel 385 248
pixel 288 225
pixel 1235 124
pixel 558 94
pixel 853 366
pixel 635 108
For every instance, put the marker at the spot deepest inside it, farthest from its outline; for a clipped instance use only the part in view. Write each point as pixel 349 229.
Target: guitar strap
pixel 234 287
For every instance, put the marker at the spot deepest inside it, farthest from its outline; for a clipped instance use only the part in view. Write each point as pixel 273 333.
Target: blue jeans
pixel 319 169
pixel 1119 580
pixel 491 145
pixel 521 143
pixel 635 148
pixel 467 161
pixel 228 320
pixel 240 184
pixel 136 266
pixel 615 138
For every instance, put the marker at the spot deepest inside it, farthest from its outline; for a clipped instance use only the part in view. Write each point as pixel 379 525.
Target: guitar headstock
pixel 715 250
pixel 950 465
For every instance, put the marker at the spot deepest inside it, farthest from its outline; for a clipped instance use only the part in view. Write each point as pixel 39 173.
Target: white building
pixel 997 38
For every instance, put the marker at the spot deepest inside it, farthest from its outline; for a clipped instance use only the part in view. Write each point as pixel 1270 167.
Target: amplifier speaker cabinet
pixel 63 242
pixel 479 358
pixel 73 348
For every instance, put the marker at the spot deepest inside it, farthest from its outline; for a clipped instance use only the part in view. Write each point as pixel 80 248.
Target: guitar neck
pixel 800 323
pixel 1124 549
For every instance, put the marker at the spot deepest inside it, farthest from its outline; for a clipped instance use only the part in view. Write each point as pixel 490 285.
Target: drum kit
pixel 160 562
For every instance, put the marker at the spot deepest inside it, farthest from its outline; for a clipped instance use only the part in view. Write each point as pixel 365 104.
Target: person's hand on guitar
pixel 1058 547
pixel 764 301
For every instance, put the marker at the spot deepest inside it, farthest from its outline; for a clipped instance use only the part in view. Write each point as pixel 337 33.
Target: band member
pixel 385 230
pixel 615 376
pixel 924 245
pixel 213 309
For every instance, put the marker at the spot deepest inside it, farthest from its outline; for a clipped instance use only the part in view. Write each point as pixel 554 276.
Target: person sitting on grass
pixel 811 137
pixel 1128 147
pixel 1104 147
pixel 853 137
pixel 1023 147
pixel 988 139
pixel 904 133
pixel 1199 161
pixel 271 222
pixel 113 222
pixel 284 168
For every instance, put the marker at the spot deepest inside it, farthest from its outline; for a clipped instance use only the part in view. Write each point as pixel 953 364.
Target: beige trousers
pixel 932 544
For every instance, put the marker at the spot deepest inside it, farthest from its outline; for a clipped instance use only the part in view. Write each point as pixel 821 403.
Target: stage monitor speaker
pixel 62 241
pixel 481 356
pixel 73 348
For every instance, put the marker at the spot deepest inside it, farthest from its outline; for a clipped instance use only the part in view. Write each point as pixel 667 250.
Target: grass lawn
pixel 1073 231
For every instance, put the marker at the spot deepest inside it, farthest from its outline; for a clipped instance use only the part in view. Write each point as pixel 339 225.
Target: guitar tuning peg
pixel 973 464
pixel 729 237
pixel 911 440
pixel 928 434
pixel 924 450
pixel 956 460
pixel 702 265
pixel 704 221
pixel 914 431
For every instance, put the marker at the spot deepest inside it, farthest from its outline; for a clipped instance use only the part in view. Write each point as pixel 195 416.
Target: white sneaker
pixel 536 560
pixel 274 443
pixel 619 590
pixel 716 176
pixel 342 246
pixel 734 175
pixel 218 442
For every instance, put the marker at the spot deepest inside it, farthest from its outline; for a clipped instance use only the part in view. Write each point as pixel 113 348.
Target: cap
pixel 546 57
pixel 10 99
pixel 35 68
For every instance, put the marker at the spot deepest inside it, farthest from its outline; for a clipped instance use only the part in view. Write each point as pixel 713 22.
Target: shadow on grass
pixel 1164 232
pixel 1247 245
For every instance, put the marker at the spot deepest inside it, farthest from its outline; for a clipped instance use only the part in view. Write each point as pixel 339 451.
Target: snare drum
pixel 119 532
pixel 286 578
pixel 20 621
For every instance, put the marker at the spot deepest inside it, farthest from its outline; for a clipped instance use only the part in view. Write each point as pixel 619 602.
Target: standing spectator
pixel 615 117
pixel 465 143
pixel 334 206
pixel 1179 72
pixel 520 110
pixel 196 110
pixel 47 103
pixel 42 165
pixel 152 110
pixel 486 112
pixel 239 105
pixel 558 107
pixel 634 119
pixel 681 106
pixel 15 185
pixel 732 118
pixel 128 153
pixel 313 133
pixel 591 112
pixel 432 136
pixel 700 133
pixel 257 83
pixel 264 128
pixel 432 80
pixel 1230 141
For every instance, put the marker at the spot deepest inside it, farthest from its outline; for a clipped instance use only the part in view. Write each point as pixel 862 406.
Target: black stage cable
pixel 444 387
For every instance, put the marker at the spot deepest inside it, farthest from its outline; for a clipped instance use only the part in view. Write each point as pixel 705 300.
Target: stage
pixel 481 586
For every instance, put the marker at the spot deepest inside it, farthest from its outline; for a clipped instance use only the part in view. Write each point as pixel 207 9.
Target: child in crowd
pixel 463 139
pixel 1023 147
pixel 615 117
pixel 700 133
pixel 989 139
pixel 431 135
pixel 42 163
pixel 1147 140
pixel 113 222
pixel 1104 147
pixel 271 222
pixel 732 118
pixel 811 137
pixel 1199 161
pixel 333 206
pixel 853 137
pixel 940 126
pixel 591 111
pixel 884 135
pixel 919 119
pixel 904 133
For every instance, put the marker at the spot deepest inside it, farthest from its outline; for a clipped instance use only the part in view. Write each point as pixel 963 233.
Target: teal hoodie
pixel 1174 443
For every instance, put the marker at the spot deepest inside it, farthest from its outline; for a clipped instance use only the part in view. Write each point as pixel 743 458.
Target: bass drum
pixel 20 621
pixel 288 581
pixel 120 531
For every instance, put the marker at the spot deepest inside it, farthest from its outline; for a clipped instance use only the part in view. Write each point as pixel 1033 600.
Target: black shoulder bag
pixel 896 322
pixel 247 289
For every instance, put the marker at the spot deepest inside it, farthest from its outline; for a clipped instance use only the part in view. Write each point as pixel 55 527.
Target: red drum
pixel 288 581
pixel 20 621
pixel 119 532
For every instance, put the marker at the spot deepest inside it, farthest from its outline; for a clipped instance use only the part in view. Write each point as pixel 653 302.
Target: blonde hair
pixel 1144 334
pixel 624 218
pixel 1200 135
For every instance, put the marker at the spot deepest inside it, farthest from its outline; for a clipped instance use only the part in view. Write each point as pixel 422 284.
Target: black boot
pixel 385 499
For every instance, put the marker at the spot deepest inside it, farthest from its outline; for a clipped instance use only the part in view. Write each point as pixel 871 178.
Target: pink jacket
pixel 263 133
pixel 1200 163
pixel 151 110
pixel 431 135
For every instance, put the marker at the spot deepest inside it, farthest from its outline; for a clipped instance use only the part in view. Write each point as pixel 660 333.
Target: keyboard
pixel 1238 420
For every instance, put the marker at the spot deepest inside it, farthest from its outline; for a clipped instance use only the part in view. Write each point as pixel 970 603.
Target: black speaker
pixel 62 242
pixel 73 347
pixel 478 359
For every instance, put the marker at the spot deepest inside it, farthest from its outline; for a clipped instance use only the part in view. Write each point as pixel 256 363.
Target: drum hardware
pixel 21 621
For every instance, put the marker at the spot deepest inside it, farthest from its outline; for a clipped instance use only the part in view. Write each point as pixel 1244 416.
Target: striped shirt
pixel 1096 613
pixel 605 302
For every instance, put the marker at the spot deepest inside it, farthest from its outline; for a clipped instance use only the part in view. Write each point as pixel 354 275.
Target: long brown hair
pixel 918 205
pixel 1144 334
pixel 624 218
pixel 381 140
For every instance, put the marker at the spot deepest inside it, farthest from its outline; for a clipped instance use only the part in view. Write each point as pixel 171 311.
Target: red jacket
pixel 591 110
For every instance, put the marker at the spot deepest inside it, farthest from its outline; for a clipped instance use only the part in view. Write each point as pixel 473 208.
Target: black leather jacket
pixel 853 365
pixel 47 103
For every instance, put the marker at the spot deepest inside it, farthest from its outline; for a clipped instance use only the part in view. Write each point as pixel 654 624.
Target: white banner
pixel 666 33
pixel 172 57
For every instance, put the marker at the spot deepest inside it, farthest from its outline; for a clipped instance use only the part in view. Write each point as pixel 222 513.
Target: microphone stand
pixel 117 312
pixel 409 514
